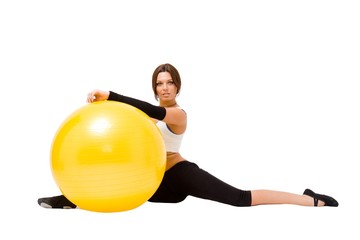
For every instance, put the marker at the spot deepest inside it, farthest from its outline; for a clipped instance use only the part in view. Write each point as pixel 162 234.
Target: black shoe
pixel 56 202
pixel 329 201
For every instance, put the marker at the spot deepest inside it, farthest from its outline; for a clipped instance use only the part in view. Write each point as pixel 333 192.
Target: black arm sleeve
pixel 151 110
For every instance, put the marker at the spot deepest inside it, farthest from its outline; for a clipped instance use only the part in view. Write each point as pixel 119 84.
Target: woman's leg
pixel 260 197
pixel 187 178
pixel 56 202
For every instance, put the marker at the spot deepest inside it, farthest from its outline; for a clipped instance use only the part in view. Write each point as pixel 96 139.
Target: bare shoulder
pixel 175 116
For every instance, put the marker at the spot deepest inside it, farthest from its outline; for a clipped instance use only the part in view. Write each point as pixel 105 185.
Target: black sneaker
pixel 56 202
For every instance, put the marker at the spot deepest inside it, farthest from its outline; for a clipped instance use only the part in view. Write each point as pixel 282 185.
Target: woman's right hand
pixel 97 95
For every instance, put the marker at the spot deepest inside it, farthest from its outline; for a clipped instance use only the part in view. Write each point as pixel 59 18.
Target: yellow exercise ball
pixel 108 157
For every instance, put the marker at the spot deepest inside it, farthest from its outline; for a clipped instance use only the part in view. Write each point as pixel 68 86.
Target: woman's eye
pixel 167 83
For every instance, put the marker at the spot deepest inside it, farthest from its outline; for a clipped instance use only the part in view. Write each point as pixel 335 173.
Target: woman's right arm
pixel 97 95
pixel 169 115
pixel 151 110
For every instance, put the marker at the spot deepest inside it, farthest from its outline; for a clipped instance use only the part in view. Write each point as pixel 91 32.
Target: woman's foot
pixel 56 202
pixel 320 199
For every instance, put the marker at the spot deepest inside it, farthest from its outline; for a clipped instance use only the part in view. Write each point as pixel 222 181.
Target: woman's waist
pixel 172 159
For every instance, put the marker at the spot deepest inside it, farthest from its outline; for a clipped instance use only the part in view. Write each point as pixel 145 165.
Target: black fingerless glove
pixel 151 110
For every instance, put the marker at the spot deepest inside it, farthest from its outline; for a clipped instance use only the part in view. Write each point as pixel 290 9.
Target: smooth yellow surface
pixel 108 157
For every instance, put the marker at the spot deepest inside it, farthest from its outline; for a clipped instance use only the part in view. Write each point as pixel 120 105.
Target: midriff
pixel 173 158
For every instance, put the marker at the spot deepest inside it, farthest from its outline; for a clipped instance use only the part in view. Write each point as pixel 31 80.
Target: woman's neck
pixel 168 104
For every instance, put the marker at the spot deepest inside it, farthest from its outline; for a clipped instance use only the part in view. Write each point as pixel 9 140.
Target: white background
pixel 270 88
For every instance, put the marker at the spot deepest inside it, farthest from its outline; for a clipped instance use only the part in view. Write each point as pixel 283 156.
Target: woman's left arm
pixel 175 116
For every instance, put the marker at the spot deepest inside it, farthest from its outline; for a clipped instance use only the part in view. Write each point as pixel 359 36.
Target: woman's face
pixel 165 87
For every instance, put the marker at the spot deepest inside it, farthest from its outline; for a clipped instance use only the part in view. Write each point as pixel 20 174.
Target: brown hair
pixel 174 75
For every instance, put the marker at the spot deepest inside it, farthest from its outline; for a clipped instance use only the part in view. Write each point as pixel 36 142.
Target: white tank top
pixel 172 141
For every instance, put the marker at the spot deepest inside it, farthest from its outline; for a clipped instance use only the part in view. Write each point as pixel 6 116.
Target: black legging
pixel 186 178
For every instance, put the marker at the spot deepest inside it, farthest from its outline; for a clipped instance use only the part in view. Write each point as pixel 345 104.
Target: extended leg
pixel 260 197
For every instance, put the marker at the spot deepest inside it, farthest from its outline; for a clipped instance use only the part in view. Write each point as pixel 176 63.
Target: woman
pixel 182 177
